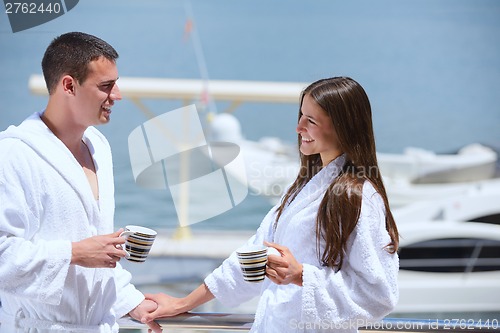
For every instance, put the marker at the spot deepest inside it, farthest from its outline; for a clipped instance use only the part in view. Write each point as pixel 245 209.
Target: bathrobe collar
pixel 35 134
pixel 315 188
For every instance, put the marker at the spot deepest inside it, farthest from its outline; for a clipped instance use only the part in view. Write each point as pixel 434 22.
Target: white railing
pixel 243 322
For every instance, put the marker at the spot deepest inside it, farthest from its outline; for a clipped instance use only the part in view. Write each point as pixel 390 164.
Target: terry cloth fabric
pixel 363 291
pixel 45 204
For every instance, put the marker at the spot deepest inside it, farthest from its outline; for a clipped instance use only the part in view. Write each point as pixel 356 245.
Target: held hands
pixel 147 306
pixel 168 306
pixel 98 251
pixel 284 269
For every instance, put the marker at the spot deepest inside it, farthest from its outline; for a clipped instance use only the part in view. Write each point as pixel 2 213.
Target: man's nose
pixel 115 93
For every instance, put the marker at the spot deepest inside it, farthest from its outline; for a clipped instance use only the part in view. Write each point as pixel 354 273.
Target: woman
pixel 335 233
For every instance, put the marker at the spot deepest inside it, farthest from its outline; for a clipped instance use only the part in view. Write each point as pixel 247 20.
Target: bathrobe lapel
pixel 310 192
pixel 60 158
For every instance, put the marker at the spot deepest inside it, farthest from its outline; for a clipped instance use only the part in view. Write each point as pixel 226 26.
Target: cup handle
pixel 126 234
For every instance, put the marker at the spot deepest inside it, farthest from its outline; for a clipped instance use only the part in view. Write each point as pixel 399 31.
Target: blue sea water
pixel 431 69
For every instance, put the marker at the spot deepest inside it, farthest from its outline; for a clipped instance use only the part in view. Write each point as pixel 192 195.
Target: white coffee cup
pixel 253 261
pixel 138 242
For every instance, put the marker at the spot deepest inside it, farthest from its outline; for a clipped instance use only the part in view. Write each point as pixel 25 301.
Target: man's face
pixel 97 94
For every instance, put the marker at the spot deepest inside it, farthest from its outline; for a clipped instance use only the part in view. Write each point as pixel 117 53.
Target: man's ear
pixel 68 84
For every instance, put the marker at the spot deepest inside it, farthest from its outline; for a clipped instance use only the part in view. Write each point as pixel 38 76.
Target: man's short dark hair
pixel 70 54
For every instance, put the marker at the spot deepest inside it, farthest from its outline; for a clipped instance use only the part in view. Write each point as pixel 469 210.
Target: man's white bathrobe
pixel 364 290
pixel 45 204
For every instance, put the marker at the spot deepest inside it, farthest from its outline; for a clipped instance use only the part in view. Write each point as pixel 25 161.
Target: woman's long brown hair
pixel 347 104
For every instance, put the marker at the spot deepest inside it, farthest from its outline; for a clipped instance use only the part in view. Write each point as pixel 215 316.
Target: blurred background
pixel 431 69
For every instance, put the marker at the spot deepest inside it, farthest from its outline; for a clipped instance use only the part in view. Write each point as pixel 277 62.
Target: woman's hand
pixel 168 306
pixel 284 269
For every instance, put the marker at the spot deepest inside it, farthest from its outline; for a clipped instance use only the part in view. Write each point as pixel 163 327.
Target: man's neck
pixel 63 128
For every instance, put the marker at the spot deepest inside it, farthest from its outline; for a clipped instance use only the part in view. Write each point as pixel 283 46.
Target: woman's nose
pixel 300 125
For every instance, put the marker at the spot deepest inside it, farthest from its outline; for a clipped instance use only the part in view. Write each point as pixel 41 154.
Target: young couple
pixel 333 229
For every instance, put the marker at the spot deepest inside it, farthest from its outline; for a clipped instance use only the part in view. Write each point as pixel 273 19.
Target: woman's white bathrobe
pixel 45 204
pixel 364 290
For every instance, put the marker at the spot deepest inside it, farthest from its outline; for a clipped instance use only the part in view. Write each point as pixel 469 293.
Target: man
pixel 58 251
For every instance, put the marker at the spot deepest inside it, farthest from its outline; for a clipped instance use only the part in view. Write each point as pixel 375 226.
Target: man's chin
pixel 105 119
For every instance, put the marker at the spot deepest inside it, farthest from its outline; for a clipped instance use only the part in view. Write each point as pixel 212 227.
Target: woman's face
pixel 317 133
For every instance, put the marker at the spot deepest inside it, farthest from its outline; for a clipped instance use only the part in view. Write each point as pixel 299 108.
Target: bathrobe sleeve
pixel 226 282
pixel 128 297
pixel 34 270
pixel 365 289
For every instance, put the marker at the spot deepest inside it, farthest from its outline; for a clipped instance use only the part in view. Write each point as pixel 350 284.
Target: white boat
pixel 402 193
pixel 273 164
pixel 479 201
pixel 449 267
pixel 420 166
pixel 450 252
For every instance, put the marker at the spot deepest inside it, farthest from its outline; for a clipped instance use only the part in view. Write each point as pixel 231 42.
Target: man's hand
pixel 147 306
pixel 168 306
pixel 98 251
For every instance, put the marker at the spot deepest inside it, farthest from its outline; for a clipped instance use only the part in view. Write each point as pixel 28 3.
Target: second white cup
pixel 253 261
pixel 138 243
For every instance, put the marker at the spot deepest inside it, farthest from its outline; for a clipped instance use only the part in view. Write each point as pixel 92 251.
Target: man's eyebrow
pixel 110 81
